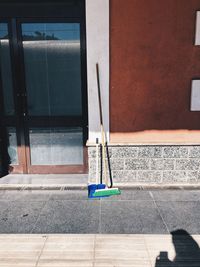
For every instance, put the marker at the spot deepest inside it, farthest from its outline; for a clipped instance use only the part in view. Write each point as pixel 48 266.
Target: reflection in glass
pixel 56 146
pixel 6 74
pixel 12 145
pixel 52 68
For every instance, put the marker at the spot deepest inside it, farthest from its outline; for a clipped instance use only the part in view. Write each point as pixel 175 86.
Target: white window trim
pixel 197 33
pixel 97 35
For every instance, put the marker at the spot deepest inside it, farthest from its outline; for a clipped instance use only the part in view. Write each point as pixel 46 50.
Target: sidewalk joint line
pixel 45 203
pixel 147 249
pixel 155 204
pixel 94 251
pixel 46 238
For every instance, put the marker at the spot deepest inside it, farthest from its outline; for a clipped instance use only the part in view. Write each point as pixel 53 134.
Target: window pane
pixel 12 146
pixel 56 146
pixel 6 74
pixel 52 68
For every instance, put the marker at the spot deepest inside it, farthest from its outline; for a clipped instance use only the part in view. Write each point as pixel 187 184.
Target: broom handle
pixel 97 160
pixel 101 122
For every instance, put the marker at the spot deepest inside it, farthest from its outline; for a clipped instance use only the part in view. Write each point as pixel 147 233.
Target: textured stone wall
pixel 151 164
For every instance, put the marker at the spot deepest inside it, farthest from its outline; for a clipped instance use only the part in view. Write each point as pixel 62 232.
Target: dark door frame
pixel 11 121
pixel 22 122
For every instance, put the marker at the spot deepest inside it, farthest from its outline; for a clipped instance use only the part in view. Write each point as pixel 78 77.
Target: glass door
pixel 50 99
pixel 53 108
pixel 12 149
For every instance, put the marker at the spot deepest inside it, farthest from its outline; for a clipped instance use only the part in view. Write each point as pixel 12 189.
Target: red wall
pixel 153 60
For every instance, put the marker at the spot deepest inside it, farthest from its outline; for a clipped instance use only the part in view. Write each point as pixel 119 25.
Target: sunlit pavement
pixel 65 228
pixel 94 250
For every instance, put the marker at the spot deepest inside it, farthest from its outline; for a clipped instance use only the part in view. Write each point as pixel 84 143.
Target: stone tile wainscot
pixel 151 164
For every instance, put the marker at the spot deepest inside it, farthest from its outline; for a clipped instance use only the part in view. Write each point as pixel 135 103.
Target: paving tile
pixel 126 217
pixel 67 216
pixel 181 215
pixel 176 195
pixel 63 179
pixel 65 263
pixel 34 195
pixel 69 195
pixel 68 248
pixel 72 250
pixel 17 262
pixel 120 248
pixel 12 195
pixel 20 250
pixel 122 263
pixel 26 195
pixel 15 249
pixel 130 195
pixel 44 179
pixel 19 216
pixel 157 244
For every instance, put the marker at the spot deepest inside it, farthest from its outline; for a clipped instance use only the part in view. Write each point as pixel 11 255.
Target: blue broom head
pixel 93 187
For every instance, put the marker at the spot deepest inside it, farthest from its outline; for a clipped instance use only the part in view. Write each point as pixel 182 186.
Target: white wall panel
pixel 197 35
pixel 97 34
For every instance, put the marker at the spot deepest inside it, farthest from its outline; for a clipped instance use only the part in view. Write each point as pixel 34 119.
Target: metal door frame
pixel 21 122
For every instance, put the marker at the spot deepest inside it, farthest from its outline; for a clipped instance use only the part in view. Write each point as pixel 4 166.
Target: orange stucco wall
pixel 153 60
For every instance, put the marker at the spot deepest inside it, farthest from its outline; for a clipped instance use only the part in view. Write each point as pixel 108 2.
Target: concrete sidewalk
pixel 43 181
pixel 74 181
pixel 70 211
pixel 97 251
pixel 143 228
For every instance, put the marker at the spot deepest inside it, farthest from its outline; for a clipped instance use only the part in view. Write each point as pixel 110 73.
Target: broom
pixel 104 191
pixel 93 187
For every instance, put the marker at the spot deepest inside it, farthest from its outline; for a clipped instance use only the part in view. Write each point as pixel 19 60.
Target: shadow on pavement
pixel 187 252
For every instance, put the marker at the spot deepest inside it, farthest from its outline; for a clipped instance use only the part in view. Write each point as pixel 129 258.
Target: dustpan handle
pixel 97 160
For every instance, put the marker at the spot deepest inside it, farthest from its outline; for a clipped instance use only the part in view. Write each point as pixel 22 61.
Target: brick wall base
pixel 151 164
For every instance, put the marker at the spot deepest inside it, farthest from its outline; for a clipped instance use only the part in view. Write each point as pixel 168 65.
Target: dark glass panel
pixel 52 68
pixel 12 146
pixel 6 73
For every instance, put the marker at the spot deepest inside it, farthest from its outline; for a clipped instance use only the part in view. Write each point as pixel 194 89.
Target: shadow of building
pixel 186 249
